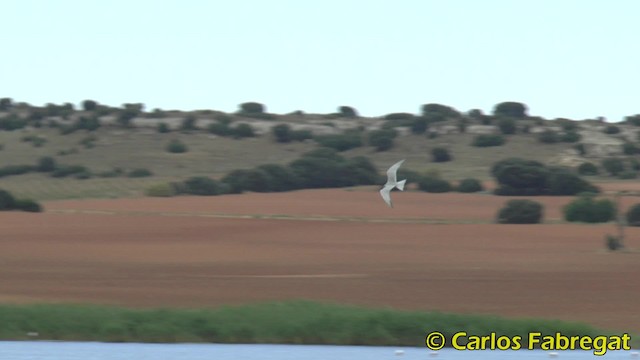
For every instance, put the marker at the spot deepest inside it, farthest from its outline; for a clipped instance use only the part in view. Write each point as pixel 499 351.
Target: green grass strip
pixel 292 322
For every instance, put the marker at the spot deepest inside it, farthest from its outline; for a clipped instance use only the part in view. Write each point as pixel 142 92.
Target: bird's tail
pixel 400 184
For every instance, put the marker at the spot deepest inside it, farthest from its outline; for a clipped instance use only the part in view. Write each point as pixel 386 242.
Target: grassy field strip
pixel 270 217
pixel 291 322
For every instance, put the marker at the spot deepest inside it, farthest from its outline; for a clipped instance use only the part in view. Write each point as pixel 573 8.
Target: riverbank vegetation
pixel 292 322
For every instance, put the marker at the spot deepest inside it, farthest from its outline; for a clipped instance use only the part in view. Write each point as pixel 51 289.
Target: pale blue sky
pixel 564 58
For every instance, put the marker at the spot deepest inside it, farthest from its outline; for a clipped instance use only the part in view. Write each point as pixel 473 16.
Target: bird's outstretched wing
pixel 385 192
pixel 392 172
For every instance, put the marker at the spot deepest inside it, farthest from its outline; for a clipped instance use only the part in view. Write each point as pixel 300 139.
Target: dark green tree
pixel 252 108
pixel 6 104
pixel 348 112
pixel 440 154
pixel 89 105
pixel 510 109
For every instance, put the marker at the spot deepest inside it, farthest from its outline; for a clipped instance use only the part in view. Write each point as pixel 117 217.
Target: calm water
pixel 46 350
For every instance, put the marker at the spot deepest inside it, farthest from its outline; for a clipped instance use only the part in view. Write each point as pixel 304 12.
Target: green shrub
pixel 27 205
pixel 587 209
pixel 115 172
pixel 125 117
pixel 613 166
pixel 611 129
pixel 382 140
pixel 261 116
pixel 440 155
pixel 340 142
pixel 580 149
pixel 177 147
pixel 163 128
pixel 89 141
pixel 87 123
pixel 83 175
pixel 10 170
pixel 68 170
pixel 137 173
pixel 243 131
pixel 46 164
pixel 223 119
pixel 399 116
pixel 548 137
pixel 570 137
pixel 35 140
pixel 282 133
pixel 419 125
pixel 12 122
pixel 433 184
pixel 486 140
pixel 507 126
pixel 157 114
pixel 332 116
pixel 301 135
pixel 568 125
pixel 412 177
pixel 320 172
pixel 220 129
pixel 469 186
pixel 7 201
pixel 279 177
pixel 628 174
pixel 362 171
pixel 189 123
pixel 235 181
pixel 204 186
pixel 587 168
pixel 160 190
pixel 613 243
pixel 633 215
pixel 326 168
pixel 66 129
pixel 562 181
pixel 517 176
pixel 520 212
pixel 257 180
pixel 630 148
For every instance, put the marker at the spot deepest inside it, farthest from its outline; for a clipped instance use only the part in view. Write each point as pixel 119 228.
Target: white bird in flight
pixel 392 182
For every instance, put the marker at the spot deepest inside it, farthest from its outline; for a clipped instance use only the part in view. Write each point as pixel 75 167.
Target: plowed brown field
pixel 431 252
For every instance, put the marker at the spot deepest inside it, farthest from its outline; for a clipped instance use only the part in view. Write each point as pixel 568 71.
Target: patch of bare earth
pixel 176 252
